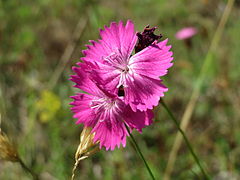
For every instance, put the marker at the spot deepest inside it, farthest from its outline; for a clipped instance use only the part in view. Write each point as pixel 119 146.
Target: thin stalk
pixel 27 169
pixel 203 75
pixel 185 139
pixel 140 153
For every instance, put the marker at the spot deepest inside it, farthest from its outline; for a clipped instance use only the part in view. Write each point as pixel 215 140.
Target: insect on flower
pixel 121 91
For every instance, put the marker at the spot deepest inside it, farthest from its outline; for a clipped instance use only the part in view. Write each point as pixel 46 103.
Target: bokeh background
pixel 39 42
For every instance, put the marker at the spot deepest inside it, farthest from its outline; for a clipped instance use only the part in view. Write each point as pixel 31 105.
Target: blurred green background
pixel 39 42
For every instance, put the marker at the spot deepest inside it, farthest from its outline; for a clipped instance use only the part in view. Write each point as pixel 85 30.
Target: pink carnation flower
pixel 138 74
pixel 106 113
pixel 186 33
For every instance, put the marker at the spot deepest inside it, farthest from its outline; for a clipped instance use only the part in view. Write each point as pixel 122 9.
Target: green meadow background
pixel 41 39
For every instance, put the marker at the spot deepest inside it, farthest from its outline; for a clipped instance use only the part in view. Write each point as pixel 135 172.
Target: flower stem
pixel 186 140
pixel 139 152
pixel 27 169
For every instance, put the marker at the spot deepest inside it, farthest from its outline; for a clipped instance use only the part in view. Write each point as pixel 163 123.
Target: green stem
pixel 27 169
pixel 185 139
pixel 139 152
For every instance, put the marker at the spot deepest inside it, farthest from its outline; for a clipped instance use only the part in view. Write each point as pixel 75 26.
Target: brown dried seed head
pixel 146 38
pixel 8 151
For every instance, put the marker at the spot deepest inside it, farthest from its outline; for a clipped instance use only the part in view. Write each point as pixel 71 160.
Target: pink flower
pixel 186 33
pixel 104 112
pixel 138 75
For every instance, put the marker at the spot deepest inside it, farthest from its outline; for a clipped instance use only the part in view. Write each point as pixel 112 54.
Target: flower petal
pixel 117 38
pixel 107 76
pixel 110 133
pixel 142 92
pixel 152 61
pixel 138 120
pixel 83 80
pixel 82 110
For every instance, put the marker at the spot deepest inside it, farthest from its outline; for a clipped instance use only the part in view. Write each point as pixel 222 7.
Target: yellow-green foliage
pixel 48 105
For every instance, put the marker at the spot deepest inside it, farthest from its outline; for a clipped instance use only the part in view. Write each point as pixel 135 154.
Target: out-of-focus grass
pixel 34 35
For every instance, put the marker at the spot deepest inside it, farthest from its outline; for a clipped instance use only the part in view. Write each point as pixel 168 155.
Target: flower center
pixel 120 62
pixel 105 107
pixel 123 74
pixel 102 103
pixel 125 70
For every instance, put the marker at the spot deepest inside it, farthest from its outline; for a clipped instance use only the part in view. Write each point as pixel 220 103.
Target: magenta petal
pixel 107 76
pixel 138 120
pixel 114 39
pixel 152 61
pixel 82 110
pixel 143 92
pixel 110 133
pixel 83 81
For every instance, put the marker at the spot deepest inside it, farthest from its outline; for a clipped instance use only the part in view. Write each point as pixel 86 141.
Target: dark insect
pixel 121 91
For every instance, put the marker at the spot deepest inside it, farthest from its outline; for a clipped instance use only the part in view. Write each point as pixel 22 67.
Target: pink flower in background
pixel 136 75
pixel 186 33
pixel 104 112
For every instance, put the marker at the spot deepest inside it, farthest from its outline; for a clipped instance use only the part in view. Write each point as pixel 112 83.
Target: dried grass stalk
pixel 85 148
